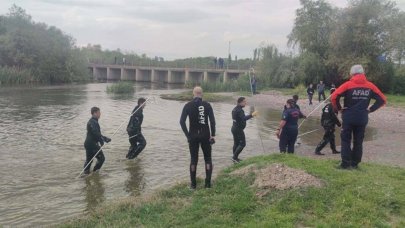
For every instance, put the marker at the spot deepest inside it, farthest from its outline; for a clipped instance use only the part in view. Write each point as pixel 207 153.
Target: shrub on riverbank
pixel 233 85
pixel 188 96
pixel 372 196
pixel 11 75
pixel 121 88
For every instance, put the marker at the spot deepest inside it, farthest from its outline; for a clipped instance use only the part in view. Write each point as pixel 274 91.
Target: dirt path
pixel 388 146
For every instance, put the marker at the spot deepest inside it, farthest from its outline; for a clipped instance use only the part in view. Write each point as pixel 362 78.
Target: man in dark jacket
pixel 328 122
pixel 357 93
pixel 199 134
pixel 239 124
pixel 94 141
pixel 310 92
pixel 321 91
pixel 134 129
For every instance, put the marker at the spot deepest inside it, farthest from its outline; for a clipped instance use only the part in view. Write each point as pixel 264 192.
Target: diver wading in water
pixel 94 141
pixel 134 129
pixel 199 112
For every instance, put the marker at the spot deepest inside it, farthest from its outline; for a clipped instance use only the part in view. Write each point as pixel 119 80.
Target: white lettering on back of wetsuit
pixel 201 116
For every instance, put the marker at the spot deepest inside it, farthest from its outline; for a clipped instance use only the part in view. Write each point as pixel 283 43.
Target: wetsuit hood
pixel 359 79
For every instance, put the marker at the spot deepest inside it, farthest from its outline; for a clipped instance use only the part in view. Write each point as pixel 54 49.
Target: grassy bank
pixel 372 196
pixel 188 95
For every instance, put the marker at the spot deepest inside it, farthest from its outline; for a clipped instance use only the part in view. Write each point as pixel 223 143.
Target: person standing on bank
pixel 239 124
pixel 328 122
pixel 94 141
pixel 332 88
pixel 357 93
pixel 321 91
pixel 310 92
pixel 288 129
pixel 199 112
pixel 253 83
pixel 134 129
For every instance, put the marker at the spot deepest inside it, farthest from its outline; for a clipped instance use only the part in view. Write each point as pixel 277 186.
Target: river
pixel 42 130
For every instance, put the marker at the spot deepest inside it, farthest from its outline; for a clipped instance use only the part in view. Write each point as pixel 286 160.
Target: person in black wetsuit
pixel 239 124
pixel 199 134
pixel 134 129
pixel 328 122
pixel 94 141
pixel 288 129
pixel 295 98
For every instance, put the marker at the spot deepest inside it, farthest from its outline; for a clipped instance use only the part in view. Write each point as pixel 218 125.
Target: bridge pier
pixel 177 77
pixel 113 74
pixel 195 77
pixel 161 76
pixel 143 75
pixel 128 74
pixel 228 76
pixel 212 77
pixel 100 73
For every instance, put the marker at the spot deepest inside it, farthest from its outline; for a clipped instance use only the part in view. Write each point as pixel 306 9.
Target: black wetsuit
pixel 134 129
pixel 199 112
pixel 239 124
pixel 289 132
pixel 328 121
pixel 92 144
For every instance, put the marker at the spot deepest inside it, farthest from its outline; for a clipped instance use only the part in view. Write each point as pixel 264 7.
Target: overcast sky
pixel 171 28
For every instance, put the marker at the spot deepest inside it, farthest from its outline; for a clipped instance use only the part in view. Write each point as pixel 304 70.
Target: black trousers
pixel 194 146
pixel 138 143
pixel 328 137
pixel 239 141
pixel 91 150
pixel 321 94
pixel 310 98
pixel 287 139
pixel 352 156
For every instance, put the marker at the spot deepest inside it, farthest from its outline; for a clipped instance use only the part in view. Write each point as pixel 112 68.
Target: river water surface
pixel 42 130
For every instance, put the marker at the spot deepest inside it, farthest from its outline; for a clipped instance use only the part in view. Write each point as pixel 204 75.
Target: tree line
pixel 331 39
pixel 32 52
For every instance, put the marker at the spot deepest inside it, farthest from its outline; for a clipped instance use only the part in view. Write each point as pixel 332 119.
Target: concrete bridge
pixel 103 72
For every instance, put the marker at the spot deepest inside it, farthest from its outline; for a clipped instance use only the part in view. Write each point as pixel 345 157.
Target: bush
pixel 121 88
pixel 398 85
pixel 236 85
pixel 12 75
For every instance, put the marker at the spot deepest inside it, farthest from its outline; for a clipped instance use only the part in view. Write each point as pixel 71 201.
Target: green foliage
pixel 12 75
pixel 44 51
pixel 372 196
pixel 188 96
pixel 332 39
pixel 398 84
pixel 121 88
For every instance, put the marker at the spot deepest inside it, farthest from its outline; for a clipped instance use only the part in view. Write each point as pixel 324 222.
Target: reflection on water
pixel 134 184
pixel 94 191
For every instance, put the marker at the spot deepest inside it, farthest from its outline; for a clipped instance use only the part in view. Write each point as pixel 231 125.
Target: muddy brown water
pixel 42 131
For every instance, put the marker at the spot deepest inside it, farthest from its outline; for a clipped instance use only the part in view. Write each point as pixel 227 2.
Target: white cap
pixel 356 69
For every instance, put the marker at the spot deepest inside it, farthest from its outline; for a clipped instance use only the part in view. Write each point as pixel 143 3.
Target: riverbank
pixel 387 146
pixel 371 196
pixel 188 96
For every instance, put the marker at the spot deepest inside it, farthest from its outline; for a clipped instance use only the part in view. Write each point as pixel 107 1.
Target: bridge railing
pixel 234 65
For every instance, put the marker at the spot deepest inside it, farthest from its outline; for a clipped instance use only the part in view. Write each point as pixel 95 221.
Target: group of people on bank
pixel 357 93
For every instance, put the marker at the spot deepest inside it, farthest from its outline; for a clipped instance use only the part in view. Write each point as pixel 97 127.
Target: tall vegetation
pixel 330 40
pixel 32 52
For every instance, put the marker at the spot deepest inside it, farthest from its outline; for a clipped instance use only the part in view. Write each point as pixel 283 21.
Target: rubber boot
pixel 193 177
pixel 208 174
pixel 333 147
pixel 238 150
pixel 320 146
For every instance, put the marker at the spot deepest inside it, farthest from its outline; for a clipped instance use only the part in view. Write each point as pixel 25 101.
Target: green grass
pixel 121 88
pixel 396 100
pixel 372 196
pixel 188 96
